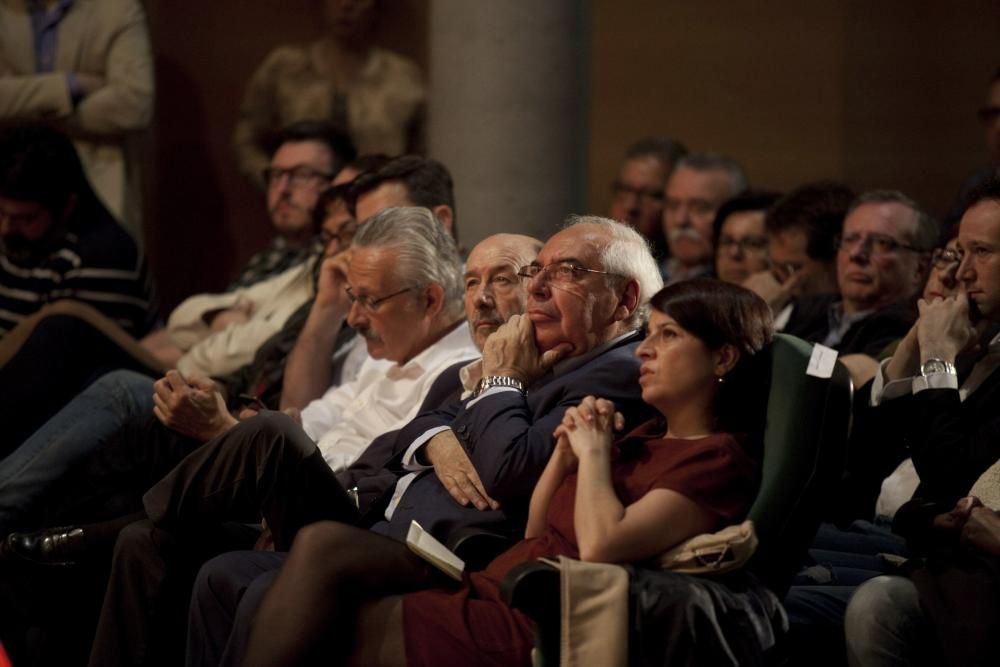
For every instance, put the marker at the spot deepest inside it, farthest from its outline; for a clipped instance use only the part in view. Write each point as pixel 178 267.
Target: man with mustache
pixel 698 186
pixel 882 259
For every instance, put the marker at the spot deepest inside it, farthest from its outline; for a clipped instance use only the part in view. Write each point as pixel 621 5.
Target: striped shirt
pixel 98 265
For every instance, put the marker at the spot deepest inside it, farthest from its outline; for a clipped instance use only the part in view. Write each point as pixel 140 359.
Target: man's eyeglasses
pixel 751 245
pixel 945 258
pixel 876 244
pixel 343 236
pixel 371 304
pixel 297 176
pixel 560 273
pixel 645 196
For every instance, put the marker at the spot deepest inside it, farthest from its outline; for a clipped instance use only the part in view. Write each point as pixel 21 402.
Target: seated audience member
pixel 882 257
pixel 346 595
pixel 637 192
pixel 947 610
pixel 375 95
pixel 878 466
pixel 802 228
pixel 500 432
pixel 68 344
pixel 739 237
pixel 408 180
pixel 306 157
pixel 939 388
pixel 698 186
pixel 57 241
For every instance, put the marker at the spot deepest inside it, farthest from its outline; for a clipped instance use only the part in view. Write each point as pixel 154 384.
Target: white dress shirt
pixel 382 398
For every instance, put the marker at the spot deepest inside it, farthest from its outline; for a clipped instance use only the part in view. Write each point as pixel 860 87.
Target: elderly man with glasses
pixel 882 259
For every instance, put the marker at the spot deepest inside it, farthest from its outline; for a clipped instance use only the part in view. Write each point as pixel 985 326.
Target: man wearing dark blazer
pixel 882 260
pixel 475 462
pixel 942 385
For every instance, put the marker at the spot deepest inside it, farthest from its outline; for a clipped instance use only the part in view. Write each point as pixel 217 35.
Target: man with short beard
pixel 57 241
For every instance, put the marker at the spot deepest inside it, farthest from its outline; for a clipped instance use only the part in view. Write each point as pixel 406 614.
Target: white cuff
pixel 489 392
pixel 886 391
pixel 410 455
pixel 935 381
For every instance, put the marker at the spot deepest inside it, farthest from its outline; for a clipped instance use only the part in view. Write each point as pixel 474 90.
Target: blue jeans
pixel 93 460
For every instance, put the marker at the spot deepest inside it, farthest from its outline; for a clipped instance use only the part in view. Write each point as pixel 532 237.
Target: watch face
pixel 933 366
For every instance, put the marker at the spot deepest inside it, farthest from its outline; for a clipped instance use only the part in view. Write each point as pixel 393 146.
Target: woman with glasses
pixel 693 470
pixel 740 237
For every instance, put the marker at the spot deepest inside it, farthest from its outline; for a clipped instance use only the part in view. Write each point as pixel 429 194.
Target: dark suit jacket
pixel 810 321
pixel 509 439
pixel 951 442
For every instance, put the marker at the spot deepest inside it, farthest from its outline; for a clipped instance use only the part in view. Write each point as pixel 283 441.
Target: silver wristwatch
pixel 934 366
pixel 489 381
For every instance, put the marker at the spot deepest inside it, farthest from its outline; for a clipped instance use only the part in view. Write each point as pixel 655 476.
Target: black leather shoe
pixel 54 546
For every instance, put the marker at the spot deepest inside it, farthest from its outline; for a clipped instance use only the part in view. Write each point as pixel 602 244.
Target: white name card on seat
pixel 821 361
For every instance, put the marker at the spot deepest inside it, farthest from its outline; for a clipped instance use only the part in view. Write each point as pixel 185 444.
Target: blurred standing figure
pixel 375 95
pixel 86 67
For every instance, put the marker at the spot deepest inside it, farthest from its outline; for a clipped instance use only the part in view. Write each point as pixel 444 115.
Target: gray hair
pixel 715 162
pixel 628 255
pixel 425 252
pixel 926 230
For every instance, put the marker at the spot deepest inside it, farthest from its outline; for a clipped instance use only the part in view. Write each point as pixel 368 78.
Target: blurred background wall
pixel 878 94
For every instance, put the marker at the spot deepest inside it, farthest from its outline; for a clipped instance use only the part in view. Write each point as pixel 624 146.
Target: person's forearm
pixel 309 372
pixel 555 471
pixel 597 509
pixel 905 361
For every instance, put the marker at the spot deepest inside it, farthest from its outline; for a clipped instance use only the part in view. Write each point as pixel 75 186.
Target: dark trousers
pixel 264 467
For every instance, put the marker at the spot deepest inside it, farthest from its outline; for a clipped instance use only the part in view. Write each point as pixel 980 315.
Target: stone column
pixel 508 111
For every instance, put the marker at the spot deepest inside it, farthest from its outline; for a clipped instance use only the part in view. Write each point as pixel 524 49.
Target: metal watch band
pixel 499 381
pixel 932 366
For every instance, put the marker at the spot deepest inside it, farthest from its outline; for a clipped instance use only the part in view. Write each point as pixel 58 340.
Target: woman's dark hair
pixel 718 314
pixel 328 196
pixel 751 200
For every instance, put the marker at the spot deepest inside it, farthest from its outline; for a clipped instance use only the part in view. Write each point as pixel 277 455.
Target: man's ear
pixel 923 271
pixel 446 216
pixel 628 301
pixel 434 295
pixel 726 358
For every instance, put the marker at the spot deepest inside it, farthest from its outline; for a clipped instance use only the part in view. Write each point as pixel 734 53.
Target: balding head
pixel 493 291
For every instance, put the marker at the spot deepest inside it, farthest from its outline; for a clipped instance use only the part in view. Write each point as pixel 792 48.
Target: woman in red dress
pixel 347 596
